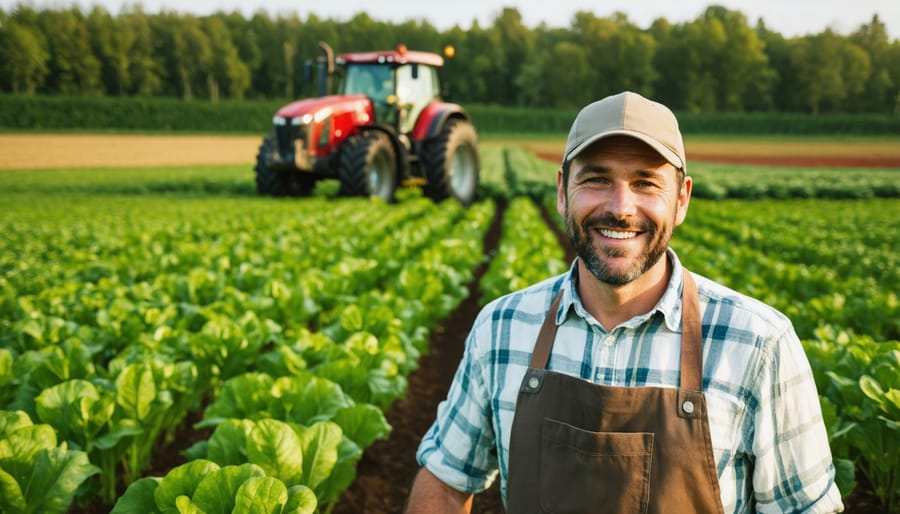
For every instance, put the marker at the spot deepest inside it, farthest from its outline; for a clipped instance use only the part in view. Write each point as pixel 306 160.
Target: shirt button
pixel 534 382
pixel 609 341
pixel 688 406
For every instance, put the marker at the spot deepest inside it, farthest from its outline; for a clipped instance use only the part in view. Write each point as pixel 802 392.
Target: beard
pixel 596 259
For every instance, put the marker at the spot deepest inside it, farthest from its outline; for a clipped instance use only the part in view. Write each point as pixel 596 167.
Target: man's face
pixel 621 203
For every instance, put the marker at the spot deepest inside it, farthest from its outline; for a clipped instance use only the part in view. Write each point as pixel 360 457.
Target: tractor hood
pixel 356 109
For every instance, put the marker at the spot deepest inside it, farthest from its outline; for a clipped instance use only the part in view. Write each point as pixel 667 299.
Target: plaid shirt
pixel 768 437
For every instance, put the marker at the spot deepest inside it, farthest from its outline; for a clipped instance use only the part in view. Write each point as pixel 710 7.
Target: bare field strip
pixel 43 151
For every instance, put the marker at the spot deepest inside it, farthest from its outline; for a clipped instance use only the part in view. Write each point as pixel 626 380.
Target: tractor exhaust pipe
pixel 326 68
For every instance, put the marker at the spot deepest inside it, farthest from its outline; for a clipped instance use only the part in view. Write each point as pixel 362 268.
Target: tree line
pixel 718 62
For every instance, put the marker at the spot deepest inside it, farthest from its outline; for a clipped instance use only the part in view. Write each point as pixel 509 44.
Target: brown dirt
pixel 43 151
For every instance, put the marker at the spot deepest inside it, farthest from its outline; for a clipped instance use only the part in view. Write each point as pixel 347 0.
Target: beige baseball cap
pixel 628 114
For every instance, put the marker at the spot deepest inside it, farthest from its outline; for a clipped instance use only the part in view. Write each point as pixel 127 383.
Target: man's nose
pixel 622 201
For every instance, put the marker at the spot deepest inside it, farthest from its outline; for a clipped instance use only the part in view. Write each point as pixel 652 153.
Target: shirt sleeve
pixel 793 470
pixel 460 447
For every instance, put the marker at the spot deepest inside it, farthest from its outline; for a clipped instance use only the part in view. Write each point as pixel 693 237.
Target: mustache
pixel 608 220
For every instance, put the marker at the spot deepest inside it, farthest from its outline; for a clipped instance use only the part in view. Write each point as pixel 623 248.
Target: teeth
pixel 617 235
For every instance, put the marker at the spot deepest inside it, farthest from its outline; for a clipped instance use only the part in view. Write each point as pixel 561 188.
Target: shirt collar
pixel 669 305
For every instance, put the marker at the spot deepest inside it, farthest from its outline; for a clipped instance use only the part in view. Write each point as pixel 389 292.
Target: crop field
pixel 167 335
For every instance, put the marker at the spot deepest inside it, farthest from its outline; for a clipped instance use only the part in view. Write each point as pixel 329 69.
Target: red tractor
pixel 387 127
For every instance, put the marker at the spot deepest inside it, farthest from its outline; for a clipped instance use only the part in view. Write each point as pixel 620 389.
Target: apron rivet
pixel 688 406
pixel 534 382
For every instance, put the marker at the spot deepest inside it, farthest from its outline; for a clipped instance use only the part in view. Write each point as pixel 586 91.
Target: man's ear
pixel 684 199
pixel 560 193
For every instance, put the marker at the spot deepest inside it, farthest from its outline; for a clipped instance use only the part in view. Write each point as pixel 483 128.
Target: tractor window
pixel 413 94
pixel 375 81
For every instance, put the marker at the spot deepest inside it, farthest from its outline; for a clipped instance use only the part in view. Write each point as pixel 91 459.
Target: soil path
pixel 44 151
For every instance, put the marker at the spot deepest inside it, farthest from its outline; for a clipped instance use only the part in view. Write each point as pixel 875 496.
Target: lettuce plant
pixel 203 487
pixel 37 476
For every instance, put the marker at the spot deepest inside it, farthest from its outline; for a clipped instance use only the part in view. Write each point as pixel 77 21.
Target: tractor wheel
pixel 451 163
pixel 279 183
pixel 367 166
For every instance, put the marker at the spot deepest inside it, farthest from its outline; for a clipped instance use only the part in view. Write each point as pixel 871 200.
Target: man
pixel 629 384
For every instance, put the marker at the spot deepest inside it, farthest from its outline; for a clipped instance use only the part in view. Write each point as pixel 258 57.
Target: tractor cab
pixel 400 83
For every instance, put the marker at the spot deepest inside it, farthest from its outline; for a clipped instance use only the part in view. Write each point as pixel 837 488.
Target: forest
pixel 718 62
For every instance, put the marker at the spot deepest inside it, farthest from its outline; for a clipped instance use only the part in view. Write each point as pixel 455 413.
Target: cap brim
pixel 664 151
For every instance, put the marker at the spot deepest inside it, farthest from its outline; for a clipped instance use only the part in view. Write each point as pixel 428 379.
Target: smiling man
pixel 628 384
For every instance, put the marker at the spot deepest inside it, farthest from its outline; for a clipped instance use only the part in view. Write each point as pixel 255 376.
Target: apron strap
pixel 691 336
pixel 541 355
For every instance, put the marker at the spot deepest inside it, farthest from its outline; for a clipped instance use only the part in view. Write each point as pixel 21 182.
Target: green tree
pixel 23 57
pixel 226 70
pixel 74 69
pixel 738 61
pixel 881 87
pixel 785 89
pixel 516 45
pixel 830 68
pixel 193 55
pixel 145 64
pixel 565 88
pixel 619 53
pixel 113 45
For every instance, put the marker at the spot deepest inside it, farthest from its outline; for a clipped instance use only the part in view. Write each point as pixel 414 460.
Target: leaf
pixel 320 444
pixel 12 421
pixel 138 498
pixel 216 493
pixel 305 399
pixel 110 439
pixel 244 396
pixel 351 319
pixel 136 391
pixel 68 408
pixel 845 476
pixel 186 506
pixel 228 444
pixel 274 446
pixel 11 497
pixel 57 475
pixel 181 481
pixel 301 500
pixel 263 495
pixel 362 423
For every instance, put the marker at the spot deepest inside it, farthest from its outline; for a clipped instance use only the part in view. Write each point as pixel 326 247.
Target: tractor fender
pixel 433 118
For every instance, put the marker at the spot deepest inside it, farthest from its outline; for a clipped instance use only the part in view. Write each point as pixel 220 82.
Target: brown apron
pixel 579 447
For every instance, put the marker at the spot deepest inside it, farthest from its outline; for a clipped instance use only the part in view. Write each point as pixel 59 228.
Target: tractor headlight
pixel 279 121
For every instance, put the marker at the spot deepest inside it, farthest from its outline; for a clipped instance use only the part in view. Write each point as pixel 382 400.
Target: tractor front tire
pixel 451 163
pixel 367 166
pixel 279 182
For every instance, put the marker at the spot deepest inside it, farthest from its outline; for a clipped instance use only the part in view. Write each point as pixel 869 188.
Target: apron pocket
pixel 583 471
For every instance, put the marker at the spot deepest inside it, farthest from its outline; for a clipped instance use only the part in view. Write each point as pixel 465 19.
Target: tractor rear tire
pixel 367 166
pixel 279 182
pixel 451 163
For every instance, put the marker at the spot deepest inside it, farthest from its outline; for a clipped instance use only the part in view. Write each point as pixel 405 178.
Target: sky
pixel 788 17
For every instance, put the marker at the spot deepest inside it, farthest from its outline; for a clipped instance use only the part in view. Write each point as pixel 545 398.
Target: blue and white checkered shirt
pixel 768 437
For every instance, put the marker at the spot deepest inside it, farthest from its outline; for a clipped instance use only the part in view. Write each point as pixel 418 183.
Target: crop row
pixel 119 316
pixel 527 174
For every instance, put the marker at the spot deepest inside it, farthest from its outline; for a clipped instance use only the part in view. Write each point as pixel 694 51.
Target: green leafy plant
pixel 37 475
pixel 202 486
